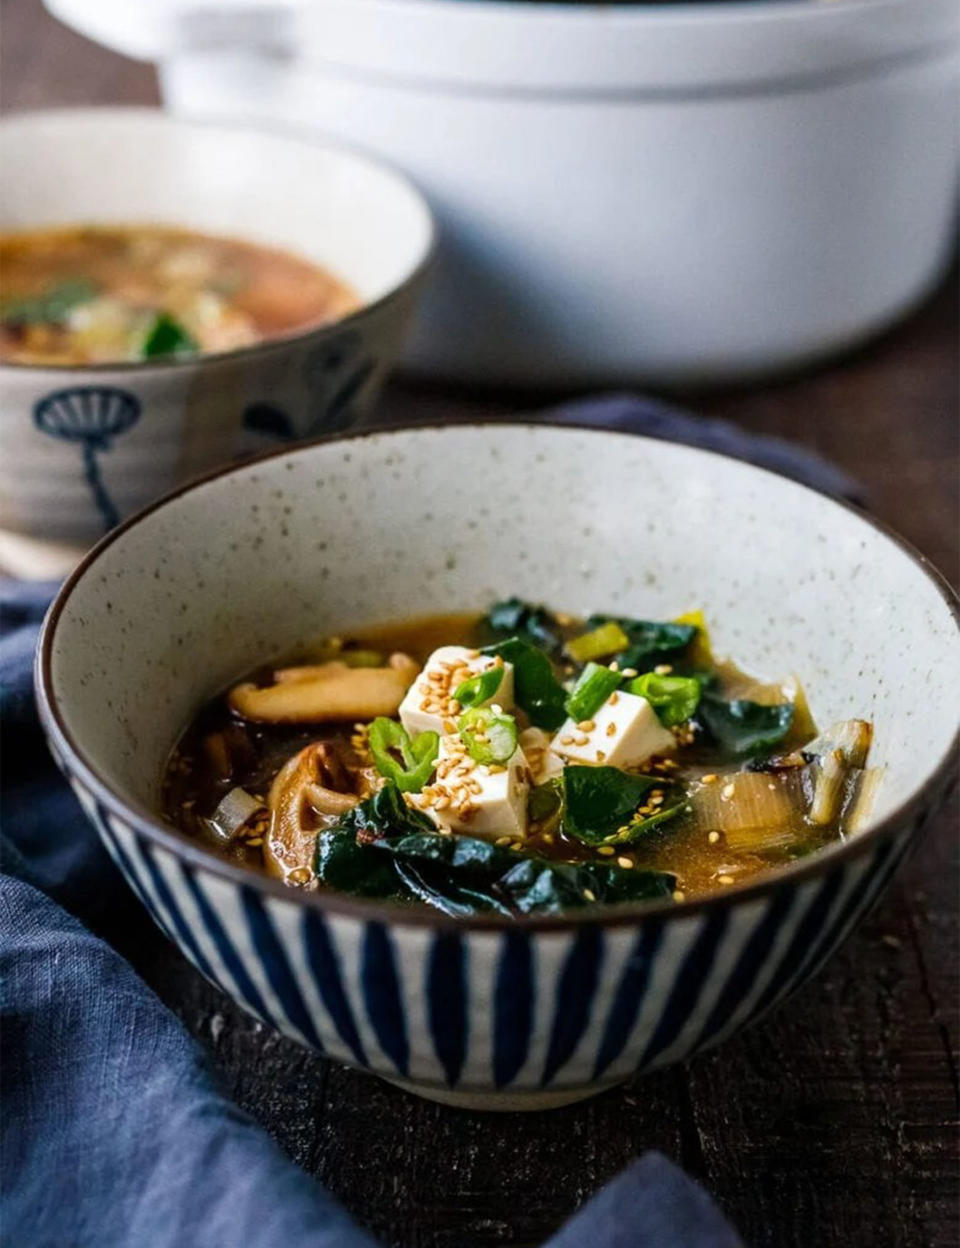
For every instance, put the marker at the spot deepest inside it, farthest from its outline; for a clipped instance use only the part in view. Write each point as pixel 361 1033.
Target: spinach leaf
pixel 744 727
pixel 535 687
pixel 382 816
pixel 445 893
pixel 50 308
pixel 168 337
pixel 651 642
pixel 599 800
pixel 515 618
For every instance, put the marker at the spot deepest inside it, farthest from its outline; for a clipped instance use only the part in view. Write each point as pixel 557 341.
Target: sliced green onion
pixel 608 638
pixel 168 337
pixel 674 698
pixel 479 689
pixel 594 686
pixel 489 737
pixel 419 755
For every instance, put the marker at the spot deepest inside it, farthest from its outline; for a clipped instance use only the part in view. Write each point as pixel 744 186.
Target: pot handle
pixel 160 29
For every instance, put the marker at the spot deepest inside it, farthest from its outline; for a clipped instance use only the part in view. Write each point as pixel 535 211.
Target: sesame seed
pixel 713 837
pixel 663 669
pixel 589 895
pixel 496 769
pixel 724 879
pixel 586 725
pixel 630 672
pixel 600 756
pixel 254 841
pixel 299 876
pixel 712 778
pixel 614 698
pixel 517 845
pixel 502 840
pixel 566 740
pixel 449 727
pixel 547 838
pixel 679 895
pixel 613 665
pixel 611 729
pixel 625 862
pixel 584 740
pixel 728 791
pixel 607 850
pixel 771 786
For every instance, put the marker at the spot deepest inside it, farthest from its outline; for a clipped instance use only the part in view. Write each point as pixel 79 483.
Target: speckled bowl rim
pixel 929 796
pixel 173 363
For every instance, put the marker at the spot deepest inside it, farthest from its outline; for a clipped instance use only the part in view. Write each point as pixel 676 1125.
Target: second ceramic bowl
pixel 119 436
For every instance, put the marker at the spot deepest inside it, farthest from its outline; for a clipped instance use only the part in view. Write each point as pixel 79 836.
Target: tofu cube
pixel 543 762
pixel 477 800
pixel 625 732
pixel 426 706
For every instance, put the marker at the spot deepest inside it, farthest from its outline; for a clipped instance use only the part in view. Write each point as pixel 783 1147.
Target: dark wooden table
pixel 834 1122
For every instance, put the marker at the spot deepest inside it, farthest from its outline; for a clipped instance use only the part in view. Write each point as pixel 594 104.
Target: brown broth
pixel 700 863
pixel 89 294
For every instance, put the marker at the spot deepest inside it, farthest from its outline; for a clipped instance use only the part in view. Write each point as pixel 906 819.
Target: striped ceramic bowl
pixel 250 562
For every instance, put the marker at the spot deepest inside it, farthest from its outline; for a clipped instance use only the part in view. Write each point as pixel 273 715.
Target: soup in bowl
pixel 176 294
pixel 207 651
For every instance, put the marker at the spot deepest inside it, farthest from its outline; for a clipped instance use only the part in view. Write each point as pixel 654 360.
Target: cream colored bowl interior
pixel 251 563
pixel 133 166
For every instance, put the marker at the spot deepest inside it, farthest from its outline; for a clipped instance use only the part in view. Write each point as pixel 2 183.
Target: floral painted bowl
pixel 251 561
pixel 84 447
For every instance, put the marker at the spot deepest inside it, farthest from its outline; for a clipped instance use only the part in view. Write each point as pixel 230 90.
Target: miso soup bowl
pixel 487 1013
pixel 83 447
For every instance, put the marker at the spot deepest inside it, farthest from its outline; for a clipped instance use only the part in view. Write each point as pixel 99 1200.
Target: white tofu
pixel 543 762
pixel 425 707
pixel 453 801
pixel 635 736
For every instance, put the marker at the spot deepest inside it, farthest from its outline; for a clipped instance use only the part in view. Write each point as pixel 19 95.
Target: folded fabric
pixel 113 1129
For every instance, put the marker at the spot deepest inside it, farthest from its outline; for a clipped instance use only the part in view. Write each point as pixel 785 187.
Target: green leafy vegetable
pixel 536 886
pixel 489 738
pixel 599 800
pixel 351 866
pixel 637 829
pixel 388 738
pixel 382 816
pixel 462 875
pixel 594 686
pixel 674 698
pixel 607 638
pixel 545 805
pixel 535 687
pixel 512 617
pixel 168 337
pixel 743 727
pixel 51 308
pixel 480 688
pixel 650 642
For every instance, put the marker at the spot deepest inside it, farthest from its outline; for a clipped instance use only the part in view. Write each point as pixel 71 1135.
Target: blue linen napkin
pixel 113 1129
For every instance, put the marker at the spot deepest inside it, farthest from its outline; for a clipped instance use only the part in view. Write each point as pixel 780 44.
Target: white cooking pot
pixel 668 193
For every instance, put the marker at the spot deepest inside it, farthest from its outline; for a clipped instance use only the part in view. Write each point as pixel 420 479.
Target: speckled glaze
pixel 248 563
pixel 69 469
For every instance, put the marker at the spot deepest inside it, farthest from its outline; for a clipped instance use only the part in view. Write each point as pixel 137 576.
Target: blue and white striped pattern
pixel 478 1014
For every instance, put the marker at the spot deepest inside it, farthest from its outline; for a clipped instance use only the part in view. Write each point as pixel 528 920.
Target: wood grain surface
pixel 832 1123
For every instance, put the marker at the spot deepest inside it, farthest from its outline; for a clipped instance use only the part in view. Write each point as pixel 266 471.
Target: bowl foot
pixel 501 1102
